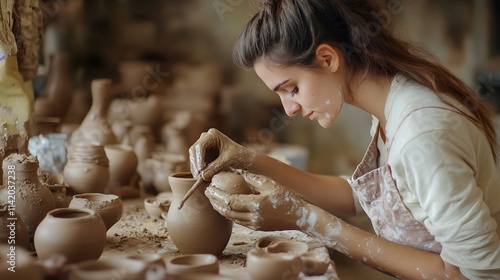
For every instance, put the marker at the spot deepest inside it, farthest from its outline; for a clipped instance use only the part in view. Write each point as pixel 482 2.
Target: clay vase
pixel 192 263
pixel 32 199
pixel 196 228
pixel 108 206
pixel 95 127
pixel 77 234
pixel 87 169
pixel 59 88
pixel 25 267
pixel 231 182
pixel 122 165
pixel 13 231
pixel 59 192
pixel 262 265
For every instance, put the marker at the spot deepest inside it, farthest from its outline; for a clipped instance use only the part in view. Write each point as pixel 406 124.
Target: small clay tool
pixel 195 186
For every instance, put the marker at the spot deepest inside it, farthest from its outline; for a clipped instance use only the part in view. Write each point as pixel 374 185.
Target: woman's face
pixel 315 94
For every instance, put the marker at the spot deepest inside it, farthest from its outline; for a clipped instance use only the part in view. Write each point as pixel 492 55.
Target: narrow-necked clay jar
pixel 87 169
pixel 122 164
pixel 78 234
pixel 108 206
pixel 106 269
pixel 192 263
pixel 21 267
pixel 262 265
pixel 13 231
pixel 231 182
pixel 95 128
pixel 33 200
pixel 196 228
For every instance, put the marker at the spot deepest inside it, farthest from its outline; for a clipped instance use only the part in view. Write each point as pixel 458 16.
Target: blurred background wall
pixel 188 45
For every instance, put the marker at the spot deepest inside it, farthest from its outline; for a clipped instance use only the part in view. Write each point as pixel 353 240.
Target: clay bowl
pixel 107 268
pixel 289 247
pixel 154 207
pixel 262 265
pixel 315 263
pixel 108 206
pixel 192 263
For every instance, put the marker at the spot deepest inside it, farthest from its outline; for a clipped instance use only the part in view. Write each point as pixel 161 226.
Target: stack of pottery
pixel 196 228
pixel 32 199
pixel 77 234
pixel 95 128
pixel 108 206
pixel 87 169
pixel 122 166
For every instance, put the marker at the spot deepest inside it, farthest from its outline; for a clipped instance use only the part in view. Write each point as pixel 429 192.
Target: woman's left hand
pixel 272 207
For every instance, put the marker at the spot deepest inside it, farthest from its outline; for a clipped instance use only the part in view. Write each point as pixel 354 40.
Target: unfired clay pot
pixel 32 199
pixel 154 207
pixel 78 234
pixel 262 265
pixel 106 269
pixel 24 265
pixel 122 165
pixel 108 206
pixel 95 128
pixel 87 169
pixel 13 231
pixel 231 182
pixel 196 228
pixel 192 263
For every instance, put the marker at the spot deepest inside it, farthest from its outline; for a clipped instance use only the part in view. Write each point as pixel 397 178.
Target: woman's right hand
pixel 214 151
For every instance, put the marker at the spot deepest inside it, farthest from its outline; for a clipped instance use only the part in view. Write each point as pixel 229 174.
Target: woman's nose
pixel 291 108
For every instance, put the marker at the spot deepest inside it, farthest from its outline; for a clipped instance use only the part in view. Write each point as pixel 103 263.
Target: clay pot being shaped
pixel 95 128
pixel 77 234
pixel 192 263
pixel 32 199
pixel 262 265
pixel 196 228
pixel 315 263
pixel 12 229
pixel 108 206
pixel 122 165
pixel 22 268
pixel 87 169
pixel 107 268
pixel 231 182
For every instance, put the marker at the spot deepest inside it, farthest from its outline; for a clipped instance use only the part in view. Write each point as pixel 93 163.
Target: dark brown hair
pixel 287 33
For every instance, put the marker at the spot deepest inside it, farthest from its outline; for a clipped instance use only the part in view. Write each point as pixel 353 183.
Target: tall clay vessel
pixel 32 200
pixel 196 228
pixel 95 128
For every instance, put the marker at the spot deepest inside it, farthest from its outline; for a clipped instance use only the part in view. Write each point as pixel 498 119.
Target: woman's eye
pixel 294 91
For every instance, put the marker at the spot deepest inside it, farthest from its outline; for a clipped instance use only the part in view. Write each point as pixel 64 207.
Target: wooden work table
pixel 138 234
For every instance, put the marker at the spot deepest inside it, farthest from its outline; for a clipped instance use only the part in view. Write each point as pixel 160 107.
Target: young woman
pixel 428 180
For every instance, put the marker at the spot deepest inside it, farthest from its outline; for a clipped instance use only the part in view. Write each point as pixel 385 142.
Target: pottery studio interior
pixel 105 106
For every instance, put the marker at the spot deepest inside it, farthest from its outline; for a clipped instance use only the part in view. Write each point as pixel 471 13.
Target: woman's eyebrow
pixel 280 84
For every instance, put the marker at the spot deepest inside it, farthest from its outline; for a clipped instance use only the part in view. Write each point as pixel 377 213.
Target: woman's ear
pixel 328 56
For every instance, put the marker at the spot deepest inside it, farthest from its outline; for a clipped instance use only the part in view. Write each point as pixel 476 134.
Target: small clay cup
pixel 192 263
pixel 154 207
pixel 262 265
pixel 77 234
pixel 108 206
pixel 315 263
pixel 164 196
pixel 107 268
